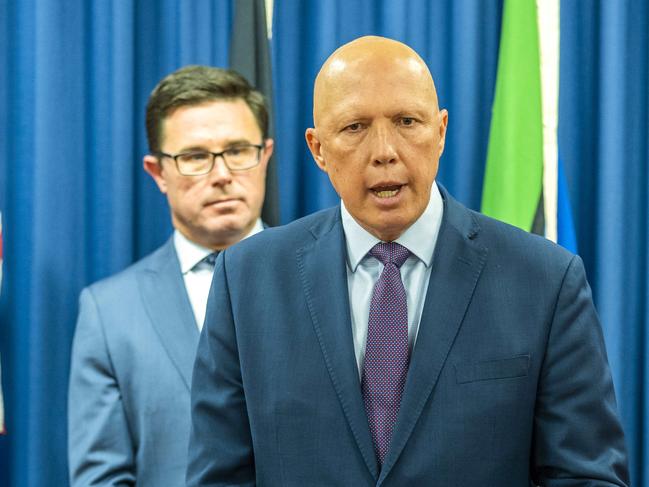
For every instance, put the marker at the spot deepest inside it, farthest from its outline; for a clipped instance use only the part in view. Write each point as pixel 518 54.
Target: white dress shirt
pixel 196 274
pixel 363 270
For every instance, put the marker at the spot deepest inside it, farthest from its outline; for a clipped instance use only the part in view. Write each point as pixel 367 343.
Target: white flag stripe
pixel 548 22
pixel 269 18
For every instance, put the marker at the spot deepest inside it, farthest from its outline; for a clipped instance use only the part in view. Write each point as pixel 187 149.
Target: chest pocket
pixel 507 368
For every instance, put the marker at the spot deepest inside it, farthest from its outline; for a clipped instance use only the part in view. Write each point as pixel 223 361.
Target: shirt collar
pixel 190 253
pixel 420 238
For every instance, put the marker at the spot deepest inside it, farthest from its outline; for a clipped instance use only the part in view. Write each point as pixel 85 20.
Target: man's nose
pixel 384 144
pixel 220 175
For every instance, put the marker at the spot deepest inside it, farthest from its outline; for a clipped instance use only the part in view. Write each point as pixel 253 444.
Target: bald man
pixel 398 339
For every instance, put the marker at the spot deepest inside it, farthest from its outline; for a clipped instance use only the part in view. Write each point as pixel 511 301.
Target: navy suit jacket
pixel 132 358
pixel 508 382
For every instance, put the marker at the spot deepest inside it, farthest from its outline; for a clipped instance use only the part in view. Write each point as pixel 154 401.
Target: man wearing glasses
pixel 137 331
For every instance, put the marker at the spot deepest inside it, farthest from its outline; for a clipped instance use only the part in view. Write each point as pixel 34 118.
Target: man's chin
pixel 387 227
pixel 229 228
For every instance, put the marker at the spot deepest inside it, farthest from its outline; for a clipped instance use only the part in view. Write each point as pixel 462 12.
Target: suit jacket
pixel 132 357
pixel 508 382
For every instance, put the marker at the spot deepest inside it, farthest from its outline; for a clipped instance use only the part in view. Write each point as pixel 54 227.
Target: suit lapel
pixel 324 280
pixel 457 265
pixel 167 304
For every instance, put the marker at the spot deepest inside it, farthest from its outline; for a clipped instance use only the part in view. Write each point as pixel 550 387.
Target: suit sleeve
pixel 100 450
pixel 220 445
pixel 578 439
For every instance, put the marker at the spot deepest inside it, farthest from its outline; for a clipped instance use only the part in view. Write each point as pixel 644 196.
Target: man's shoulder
pixel 274 250
pixel 124 281
pixel 502 239
pixel 291 235
pixel 507 237
pixel 513 251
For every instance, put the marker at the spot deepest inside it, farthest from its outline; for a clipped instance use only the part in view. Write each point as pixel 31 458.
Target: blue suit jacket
pixel 132 358
pixel 508 382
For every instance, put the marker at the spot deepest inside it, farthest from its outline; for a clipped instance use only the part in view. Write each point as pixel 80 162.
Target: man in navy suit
pixel 399 339
pixel 137 331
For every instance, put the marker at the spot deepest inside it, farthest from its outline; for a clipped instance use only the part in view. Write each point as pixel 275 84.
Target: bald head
pixel 369 59
pixel 378 132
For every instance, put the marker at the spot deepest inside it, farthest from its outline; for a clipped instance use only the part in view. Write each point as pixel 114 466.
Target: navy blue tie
pixel 208 260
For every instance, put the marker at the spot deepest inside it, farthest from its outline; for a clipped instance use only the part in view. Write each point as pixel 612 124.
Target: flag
pixel 250 56
pixel 2 409
pixel 524 182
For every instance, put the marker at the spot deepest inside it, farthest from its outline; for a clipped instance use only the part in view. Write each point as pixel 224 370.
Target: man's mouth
pixel 221 201
pixel 387 191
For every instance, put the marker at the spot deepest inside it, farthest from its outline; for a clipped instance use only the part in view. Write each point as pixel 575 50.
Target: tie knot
pixel 209 259
pixel 390 252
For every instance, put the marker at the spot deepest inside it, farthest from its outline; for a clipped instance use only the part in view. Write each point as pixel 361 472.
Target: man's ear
pixel 443 124
pixel 153 166
pixel 267 151
pixel 315 147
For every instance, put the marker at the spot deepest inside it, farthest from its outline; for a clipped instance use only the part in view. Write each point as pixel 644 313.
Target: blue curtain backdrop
pixel 603 138
pixel 77 206
pixel 74 78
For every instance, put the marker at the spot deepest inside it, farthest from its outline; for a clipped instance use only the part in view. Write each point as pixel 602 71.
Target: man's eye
pixel 195 156
pixel 353 127
pixel 407 121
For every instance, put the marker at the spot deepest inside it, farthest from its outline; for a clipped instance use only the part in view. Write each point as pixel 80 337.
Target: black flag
pixel 250 56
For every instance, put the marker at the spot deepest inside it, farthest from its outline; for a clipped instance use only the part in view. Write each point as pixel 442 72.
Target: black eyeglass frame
pixel 214 155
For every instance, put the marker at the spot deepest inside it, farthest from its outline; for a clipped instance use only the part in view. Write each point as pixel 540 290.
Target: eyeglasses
pixel 197 163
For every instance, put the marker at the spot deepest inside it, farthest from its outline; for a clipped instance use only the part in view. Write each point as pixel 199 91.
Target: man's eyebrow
pixel 230 143
pixel 420 108
pixel 203 148
pixel 194 148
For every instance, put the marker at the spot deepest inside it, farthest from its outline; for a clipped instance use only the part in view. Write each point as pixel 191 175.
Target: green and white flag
pixel 525 184
pixel 513 182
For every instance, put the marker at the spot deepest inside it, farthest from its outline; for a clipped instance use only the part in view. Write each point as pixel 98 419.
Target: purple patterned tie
pixel 386 353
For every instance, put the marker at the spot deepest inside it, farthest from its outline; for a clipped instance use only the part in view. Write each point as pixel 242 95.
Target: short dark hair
pixel 194 85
